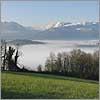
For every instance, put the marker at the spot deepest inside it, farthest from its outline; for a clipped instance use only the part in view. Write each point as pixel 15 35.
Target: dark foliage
pixel 8 60
pixel 76 64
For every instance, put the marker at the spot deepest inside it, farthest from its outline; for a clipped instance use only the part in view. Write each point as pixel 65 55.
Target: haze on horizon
pixel 36 13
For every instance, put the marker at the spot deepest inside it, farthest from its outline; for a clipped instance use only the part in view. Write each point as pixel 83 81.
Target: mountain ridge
pixel 58 30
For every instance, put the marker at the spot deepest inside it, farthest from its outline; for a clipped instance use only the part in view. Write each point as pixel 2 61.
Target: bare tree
pixel 39 68
pixel 3 54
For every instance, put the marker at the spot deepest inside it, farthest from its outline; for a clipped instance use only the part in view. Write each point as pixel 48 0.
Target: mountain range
pixel 58 30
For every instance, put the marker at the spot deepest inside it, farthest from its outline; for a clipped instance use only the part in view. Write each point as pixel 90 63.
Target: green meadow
pixel 22 85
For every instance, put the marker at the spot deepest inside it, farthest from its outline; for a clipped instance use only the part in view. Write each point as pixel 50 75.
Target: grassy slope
pixel 32 85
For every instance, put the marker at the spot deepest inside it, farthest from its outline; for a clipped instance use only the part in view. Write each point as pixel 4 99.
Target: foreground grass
pixel 20 85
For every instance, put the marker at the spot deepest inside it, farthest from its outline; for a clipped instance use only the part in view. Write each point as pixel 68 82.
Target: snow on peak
pixel 58 24
pixel 64 24
pixel 53 25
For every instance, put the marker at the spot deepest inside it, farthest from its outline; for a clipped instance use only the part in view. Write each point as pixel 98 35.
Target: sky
pixel 30 13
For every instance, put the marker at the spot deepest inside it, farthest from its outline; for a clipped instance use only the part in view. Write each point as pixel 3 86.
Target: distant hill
pixel 24 42
pixel 13 30
pixel 59 30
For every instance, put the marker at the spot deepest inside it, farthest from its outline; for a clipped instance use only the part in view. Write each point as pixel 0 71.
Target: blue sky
pixel 30 13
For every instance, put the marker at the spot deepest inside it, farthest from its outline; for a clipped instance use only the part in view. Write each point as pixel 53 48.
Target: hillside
pixel 22 85
pixel 24 42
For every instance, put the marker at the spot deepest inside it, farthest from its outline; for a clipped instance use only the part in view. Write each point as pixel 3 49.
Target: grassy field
pixel 20 85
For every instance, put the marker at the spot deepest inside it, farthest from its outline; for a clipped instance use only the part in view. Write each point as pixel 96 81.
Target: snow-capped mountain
pixel 58 30
pixel 85 30
pixel 56 25
pixel 63 24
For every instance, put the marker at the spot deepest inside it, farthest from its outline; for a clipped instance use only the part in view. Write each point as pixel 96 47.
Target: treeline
pixel 76 64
